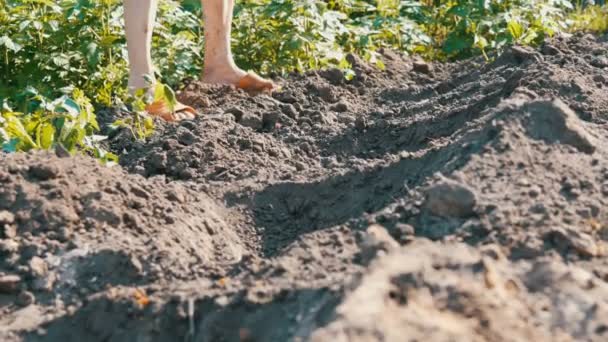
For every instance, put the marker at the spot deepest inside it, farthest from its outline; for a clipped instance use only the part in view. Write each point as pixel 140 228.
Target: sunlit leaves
pixel 19 138
pixel 9 44
pixel 50 49
pixel 68 121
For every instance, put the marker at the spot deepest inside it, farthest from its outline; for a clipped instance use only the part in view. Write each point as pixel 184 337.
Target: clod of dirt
pixel 38 267
pixel 376 241
pixel 289 110
pixel 9 283
pixel 549 49
pixel 44 171
pixel 450 199
pixel 600 61
pixel 580 242
pixel 252 121
pixel 270 120
pixel 7 227
pixel 285 97
pixel 554 121
pixel 358 64
pixel 524 53
pixel 422 67
pixel 340 107
pixel 25 298
pixel 404 232
pixel 326 93
pixel 6 217
pixel 237 112
pixel 8 246
pixel 361 123
pixel 61 152
pixel 334 76
pixel 185 136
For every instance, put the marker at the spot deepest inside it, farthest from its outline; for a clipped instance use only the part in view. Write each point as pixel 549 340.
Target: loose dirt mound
pixel 468 295
pixel 71 227
pixel 447 202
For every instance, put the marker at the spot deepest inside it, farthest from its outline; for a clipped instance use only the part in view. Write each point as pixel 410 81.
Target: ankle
pixel 141 79
pixel 225 73
pixel 136 92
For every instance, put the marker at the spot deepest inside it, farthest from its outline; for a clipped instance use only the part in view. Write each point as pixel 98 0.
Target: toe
pixel 254 83
pixel 162 110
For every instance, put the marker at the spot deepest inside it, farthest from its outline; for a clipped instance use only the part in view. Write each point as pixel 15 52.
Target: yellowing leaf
pixel 515 29
pixel 15 129
pixel 47 136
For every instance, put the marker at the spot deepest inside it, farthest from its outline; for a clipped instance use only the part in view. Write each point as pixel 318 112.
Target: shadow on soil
pixel 109 268
pixel 414 133
pixel 287 316
pixel 288 210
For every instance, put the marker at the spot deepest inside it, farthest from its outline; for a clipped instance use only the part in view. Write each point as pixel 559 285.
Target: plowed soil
pixel 426 202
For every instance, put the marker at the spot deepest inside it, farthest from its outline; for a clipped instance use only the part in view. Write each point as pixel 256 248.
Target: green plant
pixel 465 28
pixel 589 18
pixel 68 122
pixel 140 124
pixel 51 49
pixel 286 35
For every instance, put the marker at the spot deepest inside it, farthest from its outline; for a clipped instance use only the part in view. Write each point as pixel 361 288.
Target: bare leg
pixel 140 16
pixel 219 67
pixel 219 63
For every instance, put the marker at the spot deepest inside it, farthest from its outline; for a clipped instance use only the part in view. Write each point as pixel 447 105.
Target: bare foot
pixel 249 82
pixel 222 75
pixel 252 83
pixel 179 112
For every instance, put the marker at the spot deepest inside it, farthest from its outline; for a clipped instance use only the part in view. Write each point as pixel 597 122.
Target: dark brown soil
pixel 426 202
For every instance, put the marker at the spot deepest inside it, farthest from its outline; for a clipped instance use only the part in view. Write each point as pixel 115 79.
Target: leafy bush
pixel 591 18
pixel 69 122
pixel 52 45
pixel 63 50
pixel 74 50
pixel 283 36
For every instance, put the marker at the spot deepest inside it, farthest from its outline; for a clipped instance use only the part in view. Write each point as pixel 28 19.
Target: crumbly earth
pixel 426 202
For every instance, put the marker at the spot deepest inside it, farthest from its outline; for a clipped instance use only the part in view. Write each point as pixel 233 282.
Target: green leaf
pixel 92 53
pixel 71 107
pixel 3 135
pixel 529 37
pixel 480 42
pixel 159 92
pixel 24 24
pixel 515 29
pixel 11 145
pixel 9 44
pixel 108 40
pixel 455 44
pixel 170 96
pixel 47 136
pixel 16 130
